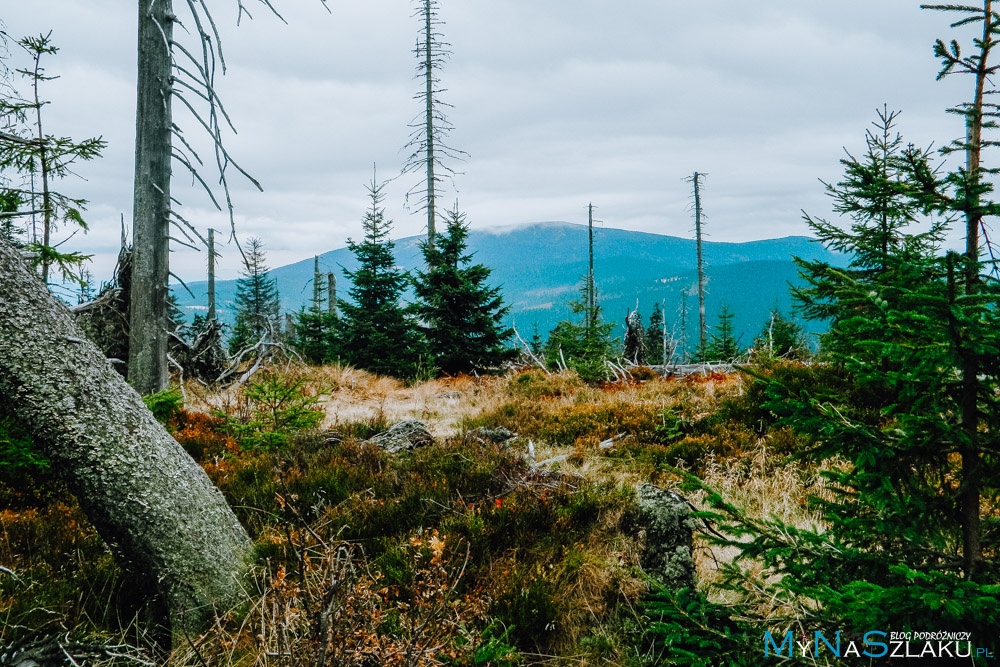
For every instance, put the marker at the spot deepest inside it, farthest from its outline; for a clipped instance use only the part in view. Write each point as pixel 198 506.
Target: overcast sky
pixel 557 103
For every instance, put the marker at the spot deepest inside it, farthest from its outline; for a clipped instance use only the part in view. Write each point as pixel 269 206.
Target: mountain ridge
pixel 540 266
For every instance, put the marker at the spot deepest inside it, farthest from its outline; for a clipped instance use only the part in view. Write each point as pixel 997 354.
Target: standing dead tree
pixel 591 286
pixel 169 72
pixel 212 254
pixel 331 293
pixel 634 345
pixel 431 127
pixel 697 180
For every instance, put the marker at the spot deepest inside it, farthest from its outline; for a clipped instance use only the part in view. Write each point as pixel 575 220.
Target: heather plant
pixel 560 539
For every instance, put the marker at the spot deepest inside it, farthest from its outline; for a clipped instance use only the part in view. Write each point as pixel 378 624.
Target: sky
pixel 557 104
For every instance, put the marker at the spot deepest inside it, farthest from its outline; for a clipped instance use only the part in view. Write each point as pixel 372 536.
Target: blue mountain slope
pixel 540 267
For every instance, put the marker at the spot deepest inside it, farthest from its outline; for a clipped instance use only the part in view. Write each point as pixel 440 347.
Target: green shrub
pixel 586 422
pixel 493 649
pixel 528 610
pixel 536 384
pixel 17 451
pixel 683 628
pixel 756 406
pixel 26 477
pixel 164 405
pixel 274 407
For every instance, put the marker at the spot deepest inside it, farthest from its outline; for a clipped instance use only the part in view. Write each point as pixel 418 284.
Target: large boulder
pixel 403 436
pixel 666 524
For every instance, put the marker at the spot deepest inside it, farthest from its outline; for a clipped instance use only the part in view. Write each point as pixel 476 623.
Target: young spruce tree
pixel 28 153
pixel 723 345
pixel 904 325
pixel 780 338
pixel 654 337
pixel 586 346
pixel 462 315
pixel 257 301
pixel 891 551
pixel 966 193
pixel 378 333
pixel 316 326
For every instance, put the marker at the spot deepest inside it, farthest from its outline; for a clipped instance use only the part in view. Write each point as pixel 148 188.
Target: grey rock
pixel 497 435
pixel 403 436
pixel 448 395
pixel 331 436
pixel 666 523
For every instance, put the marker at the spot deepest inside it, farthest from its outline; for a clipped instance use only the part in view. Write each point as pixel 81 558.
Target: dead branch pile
pixel 202 356
pixel 105 320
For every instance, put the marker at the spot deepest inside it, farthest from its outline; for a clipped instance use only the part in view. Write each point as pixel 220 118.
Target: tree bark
pixel 429 119
pixel 211 275
pixel 147 369
pixel 153 505
pixel 702 328
pixel 331 291
pixel 971 488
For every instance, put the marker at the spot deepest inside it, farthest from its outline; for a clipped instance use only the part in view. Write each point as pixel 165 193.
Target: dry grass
pixel 549 543
pixel 549 411
pixel 442 404
pixel 765 486
pixel 334 609
pixel 349 395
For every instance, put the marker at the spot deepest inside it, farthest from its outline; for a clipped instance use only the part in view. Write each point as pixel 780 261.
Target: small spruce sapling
pixel 257 301
pixel 586 347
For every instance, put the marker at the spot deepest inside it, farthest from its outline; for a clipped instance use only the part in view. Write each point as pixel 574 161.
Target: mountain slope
pixel 540 267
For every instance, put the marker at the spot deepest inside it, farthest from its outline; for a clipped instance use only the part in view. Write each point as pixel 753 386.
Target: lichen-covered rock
pixel 498 435
pixel 403 436
pixel 666 523
pixel 331 436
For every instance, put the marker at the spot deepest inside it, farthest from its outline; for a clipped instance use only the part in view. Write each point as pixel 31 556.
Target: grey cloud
pixel 557 103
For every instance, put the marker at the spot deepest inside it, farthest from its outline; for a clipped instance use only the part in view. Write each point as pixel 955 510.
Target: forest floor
pixel 460 553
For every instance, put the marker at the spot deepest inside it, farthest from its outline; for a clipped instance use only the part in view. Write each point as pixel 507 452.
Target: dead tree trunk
pixel 153 505
pixel 331 291
pixel 591 295
pixel 702 328
pixel 429 117
pixel 634 344
pixel 211 275
pixel 147 365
